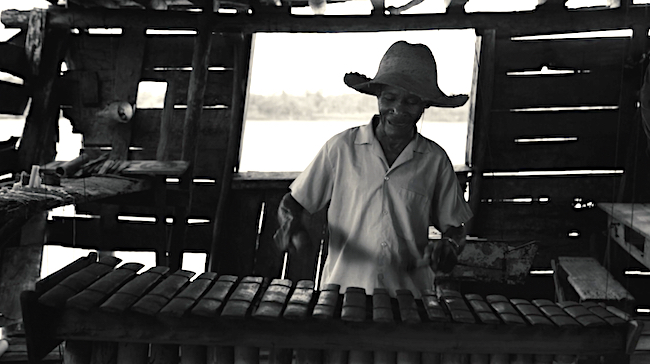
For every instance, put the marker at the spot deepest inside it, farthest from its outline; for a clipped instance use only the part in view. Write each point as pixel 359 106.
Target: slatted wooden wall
pixel 555 128
pixel 94 74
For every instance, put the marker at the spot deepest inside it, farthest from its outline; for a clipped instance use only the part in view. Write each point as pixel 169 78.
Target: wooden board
pixel 576 54
pixel 592 281
pixel 125 236
pixel 27 201
pixel 600 87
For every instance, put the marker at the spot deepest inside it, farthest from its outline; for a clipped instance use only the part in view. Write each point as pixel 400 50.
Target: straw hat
pixel 411 67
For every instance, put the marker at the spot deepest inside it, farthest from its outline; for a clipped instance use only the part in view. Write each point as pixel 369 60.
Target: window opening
pixel 297 99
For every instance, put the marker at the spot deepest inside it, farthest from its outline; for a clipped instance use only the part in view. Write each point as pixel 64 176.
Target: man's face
pixel 399 108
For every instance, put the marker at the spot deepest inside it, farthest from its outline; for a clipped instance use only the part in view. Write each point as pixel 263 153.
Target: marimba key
pixel 435 311
pixel 458 309
pixel 242 297
pixel 505 310
pixel 300 300
pixel 530 312
pixel 604 313
pixel 273 299
pixel 76 282
pixel 103 287
pixel 482 309
pixel 581 314
pixel 382 310
pixel 555 313
pixel 133 290
pixel 182 302
pixel 212 301
pixel 354 305
pixel 407 308
pixel 327 303
pixel 152 302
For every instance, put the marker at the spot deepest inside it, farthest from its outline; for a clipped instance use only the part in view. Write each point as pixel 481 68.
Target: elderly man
pixel 385 185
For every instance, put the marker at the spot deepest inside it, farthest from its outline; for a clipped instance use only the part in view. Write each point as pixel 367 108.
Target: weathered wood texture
pixel 575 124
pixel 442 323
pixel 517 23
pixel 511 208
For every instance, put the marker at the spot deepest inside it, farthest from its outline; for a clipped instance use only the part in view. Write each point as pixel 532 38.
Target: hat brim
pixel 369 86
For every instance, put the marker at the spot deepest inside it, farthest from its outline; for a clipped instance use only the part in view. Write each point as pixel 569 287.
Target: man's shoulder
pixel 346 137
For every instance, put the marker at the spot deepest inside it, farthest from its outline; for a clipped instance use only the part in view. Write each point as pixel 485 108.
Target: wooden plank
pixel 126 236
pixel 211 303
pixel 19 270
pixel 160 295
pixel 184 301
pixel 104 287
pixel 55 278
pixel 75 283
pixel 507 126
pixel 242 62
pixel 29 201
pixel 600 87
pixel 14 98
pixel 35 39
pixel 635 216
pixel 592 281
pixel 218 90
pixel 13 60
pixel 563 54
pixel 159 56
pixel 133 290
pixel 128 68
pixel 516 23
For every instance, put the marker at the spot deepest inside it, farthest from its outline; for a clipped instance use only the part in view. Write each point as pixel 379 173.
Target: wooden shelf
pixel 627 217
pixel 24 202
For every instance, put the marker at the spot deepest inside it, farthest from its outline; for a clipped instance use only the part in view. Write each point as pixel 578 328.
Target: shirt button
pixel 386 178
pixel 384 244
pixel 380 276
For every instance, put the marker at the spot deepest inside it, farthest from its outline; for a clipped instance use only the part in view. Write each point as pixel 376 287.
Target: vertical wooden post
pixel 195 96
pixel 132 353
pixel 77 352
pixel 480 108
pixel 240 77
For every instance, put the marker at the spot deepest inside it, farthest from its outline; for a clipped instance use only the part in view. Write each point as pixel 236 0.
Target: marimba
pixel 107 314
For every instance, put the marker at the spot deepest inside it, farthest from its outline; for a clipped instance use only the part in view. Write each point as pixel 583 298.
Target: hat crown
pixel 411 67
pixel 413 60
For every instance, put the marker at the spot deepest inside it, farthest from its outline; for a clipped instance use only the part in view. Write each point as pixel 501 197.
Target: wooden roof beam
pixel 515 23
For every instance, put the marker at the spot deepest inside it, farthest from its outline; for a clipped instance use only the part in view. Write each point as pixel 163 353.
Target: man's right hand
pixel 291 236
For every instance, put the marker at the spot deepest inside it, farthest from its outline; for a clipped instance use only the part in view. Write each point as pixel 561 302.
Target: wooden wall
pixel 108 67
pixel 519 117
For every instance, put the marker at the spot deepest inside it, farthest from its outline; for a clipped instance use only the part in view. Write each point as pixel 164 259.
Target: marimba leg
pixel 164 354
pixel 221 355
pixel 565 359
pixel 522 359
pixel 76 352
pixel 385 357
pixel 543 359
pixel 247 355
pixel 500 359
pixel 132 353
pixel 308 356
pixel 479 358
pixel 103 353
pixel 454 358
pixel 280 356
pixel 408 357
pixel 193 354
pixel 360 357
pixel 335 357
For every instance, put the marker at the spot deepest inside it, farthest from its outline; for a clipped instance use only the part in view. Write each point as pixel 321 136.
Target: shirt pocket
pixel 415 203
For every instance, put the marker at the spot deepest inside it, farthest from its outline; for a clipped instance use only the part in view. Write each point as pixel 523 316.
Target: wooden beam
pixel 479 125
pixel 243 50
pixel 512 23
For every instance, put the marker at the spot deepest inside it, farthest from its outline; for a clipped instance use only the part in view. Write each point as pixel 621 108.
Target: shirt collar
pixel 366 135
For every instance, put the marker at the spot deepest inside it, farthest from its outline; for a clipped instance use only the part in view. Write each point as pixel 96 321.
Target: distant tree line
pixel 316 106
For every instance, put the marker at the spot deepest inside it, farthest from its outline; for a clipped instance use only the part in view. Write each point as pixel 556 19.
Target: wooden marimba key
pixel 165 318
